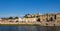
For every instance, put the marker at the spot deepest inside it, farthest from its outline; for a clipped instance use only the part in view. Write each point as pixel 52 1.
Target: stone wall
pixel 58 17
pixel 43 18
pixel 28 19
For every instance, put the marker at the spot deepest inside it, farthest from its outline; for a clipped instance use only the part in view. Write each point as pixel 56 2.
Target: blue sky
pixel 22 7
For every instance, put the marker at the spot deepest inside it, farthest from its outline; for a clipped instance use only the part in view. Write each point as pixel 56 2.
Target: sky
pixel 21 7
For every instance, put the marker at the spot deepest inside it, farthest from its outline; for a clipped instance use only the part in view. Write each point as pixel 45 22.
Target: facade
pixel 27 19
pixel 45 17
pixel 58 17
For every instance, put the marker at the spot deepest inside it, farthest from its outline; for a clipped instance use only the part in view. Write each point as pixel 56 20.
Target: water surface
pixel 28 28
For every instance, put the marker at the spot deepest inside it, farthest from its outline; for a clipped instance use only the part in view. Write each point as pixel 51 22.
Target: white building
pixel 27 19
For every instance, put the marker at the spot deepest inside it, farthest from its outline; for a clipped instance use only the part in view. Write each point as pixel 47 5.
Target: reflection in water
pixel 8 28
pixel 38 28
pixel 28 28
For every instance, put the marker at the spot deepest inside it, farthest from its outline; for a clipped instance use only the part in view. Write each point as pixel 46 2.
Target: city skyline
pixel 22 7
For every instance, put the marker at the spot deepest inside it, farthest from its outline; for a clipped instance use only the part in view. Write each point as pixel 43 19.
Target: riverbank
pixel 9 23
pixel 19 25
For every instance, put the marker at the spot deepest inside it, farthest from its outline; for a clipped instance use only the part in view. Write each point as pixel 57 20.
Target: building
pixel 58 17
pixel 45 17
pixel 27 19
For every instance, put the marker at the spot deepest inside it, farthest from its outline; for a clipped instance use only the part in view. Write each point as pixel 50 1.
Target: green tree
pixel 10 18
pixel 37 16
pixel 16 18
pixel 26 16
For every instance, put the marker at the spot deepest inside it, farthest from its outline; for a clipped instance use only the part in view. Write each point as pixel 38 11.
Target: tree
pixel 26 16
pixel 10 18
pixel 37 16
pixel 16 18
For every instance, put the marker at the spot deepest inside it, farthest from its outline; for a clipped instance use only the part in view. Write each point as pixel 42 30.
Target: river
pixel 29 28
